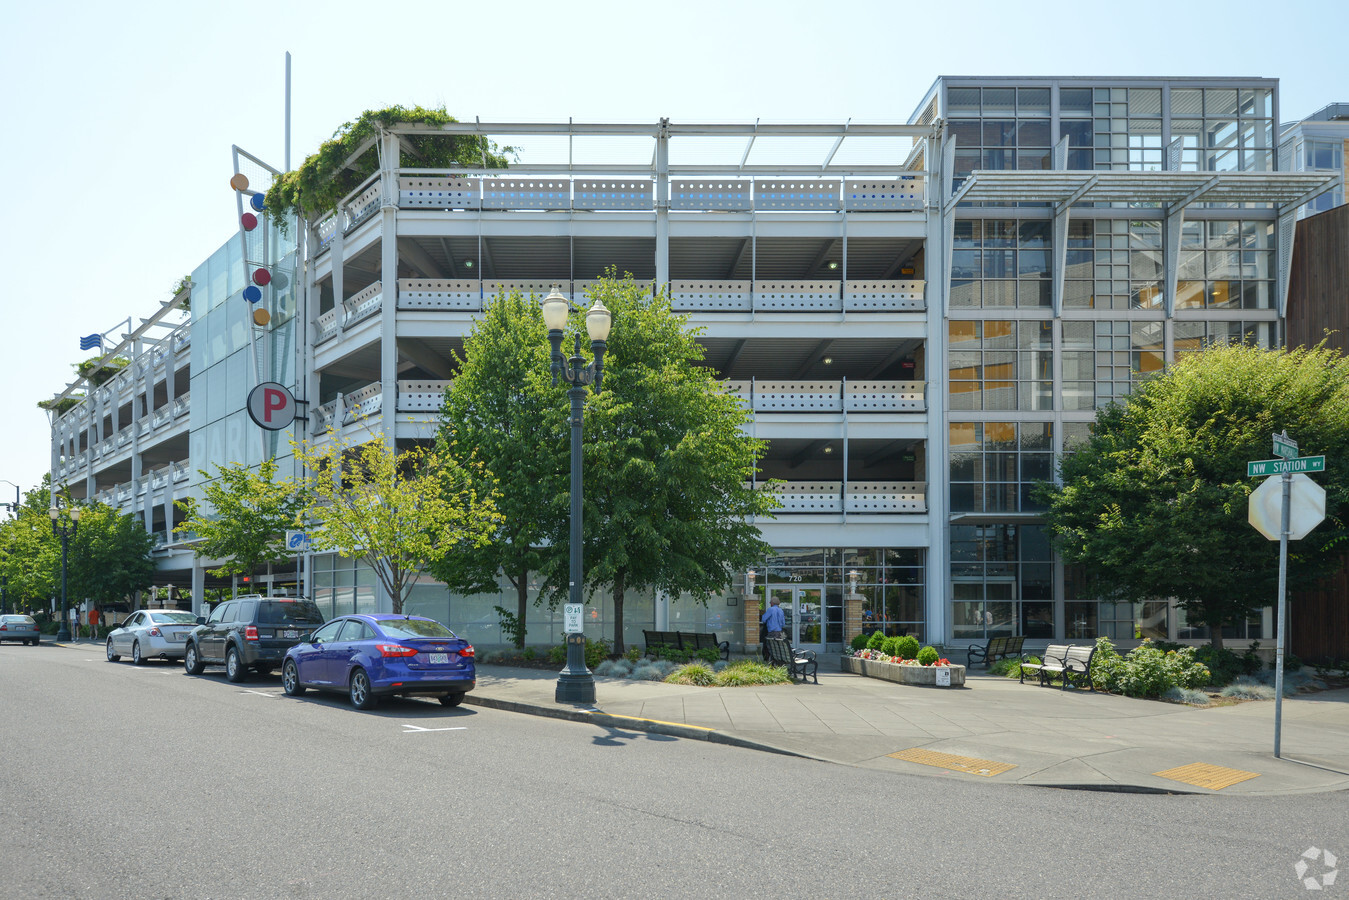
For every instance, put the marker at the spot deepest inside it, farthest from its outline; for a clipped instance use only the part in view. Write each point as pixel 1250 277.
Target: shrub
pixel 696 673
pixel 1245 688
pixel 1187 696
pixel 1010 668
pixel 1224 665
pixel 614 668
pixel 860 641
pixel 633 655
pixel 557 654
pixel 906 647
pixel 890 646
pixel 750 671
pixel 652 671
pixel 927 656
pixel 877 640
pixel 1146 671
pixel 596 653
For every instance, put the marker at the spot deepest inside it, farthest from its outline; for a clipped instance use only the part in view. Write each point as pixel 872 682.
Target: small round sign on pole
pixel 271 406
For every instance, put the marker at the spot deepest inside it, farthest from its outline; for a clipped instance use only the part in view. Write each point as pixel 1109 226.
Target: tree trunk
pixel 1215 636
pixel 618 613
pixel 521 607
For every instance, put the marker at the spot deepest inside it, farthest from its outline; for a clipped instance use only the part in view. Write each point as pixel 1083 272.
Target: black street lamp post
pixel 575 684
pixel 65 531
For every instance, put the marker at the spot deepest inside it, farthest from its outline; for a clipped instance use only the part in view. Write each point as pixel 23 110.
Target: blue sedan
pixel 370 656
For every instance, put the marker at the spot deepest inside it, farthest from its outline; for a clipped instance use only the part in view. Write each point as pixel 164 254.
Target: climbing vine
pixel 321 180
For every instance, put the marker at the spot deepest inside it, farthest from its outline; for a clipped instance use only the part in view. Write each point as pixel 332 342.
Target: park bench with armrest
pixel 687 641
pixel 797 662
pixel 1051 664
pixel 996 648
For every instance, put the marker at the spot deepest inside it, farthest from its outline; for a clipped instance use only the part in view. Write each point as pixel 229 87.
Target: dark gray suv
pixel 249 633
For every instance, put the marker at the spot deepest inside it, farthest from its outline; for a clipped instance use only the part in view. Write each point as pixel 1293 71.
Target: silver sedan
pixel 19 628
pixel 151 634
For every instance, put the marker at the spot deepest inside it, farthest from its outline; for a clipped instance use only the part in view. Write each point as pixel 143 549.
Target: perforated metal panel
pixel 362 404
pixel 439 293
pixel 711 194
pixel 323 417
pixel 884 296
pixel 798 396
pixel 327 325
pixel 794 296
pixel 710 296
pixel 363 305
pixel 884 396
pixel 627 194
pixel 525 286
pixel 740 390
pixel 327 230
pixel 526 193
pixel 905 193
pixel 439 193
pixel 886 497
pixel 363 206
pixel 810 496
pixel 421 396
pixel 771 195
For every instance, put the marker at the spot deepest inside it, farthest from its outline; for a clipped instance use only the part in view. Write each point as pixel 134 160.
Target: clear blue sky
pixel 118 117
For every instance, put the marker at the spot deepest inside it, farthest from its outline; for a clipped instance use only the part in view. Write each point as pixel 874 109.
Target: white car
pixel 151 634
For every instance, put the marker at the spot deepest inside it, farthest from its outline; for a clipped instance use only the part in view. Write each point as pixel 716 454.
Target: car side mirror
pixel 201 620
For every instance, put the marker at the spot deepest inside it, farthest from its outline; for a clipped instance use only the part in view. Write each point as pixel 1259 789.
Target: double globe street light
pixel 575 684
pixel 65 530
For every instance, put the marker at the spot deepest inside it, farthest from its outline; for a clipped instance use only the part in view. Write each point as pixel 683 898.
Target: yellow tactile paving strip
pixel 1207 776
pixel 967 764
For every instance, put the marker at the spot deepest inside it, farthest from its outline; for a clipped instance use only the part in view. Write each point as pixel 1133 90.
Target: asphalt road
pixel 117 781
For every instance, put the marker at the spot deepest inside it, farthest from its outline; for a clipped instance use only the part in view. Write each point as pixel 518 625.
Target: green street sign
pixel 1285 446
pixel 1285 466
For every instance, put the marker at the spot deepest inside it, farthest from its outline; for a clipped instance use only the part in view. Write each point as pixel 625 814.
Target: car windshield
pixel 414 628
pixel 173 618
pixel 289 612
pixel 19 620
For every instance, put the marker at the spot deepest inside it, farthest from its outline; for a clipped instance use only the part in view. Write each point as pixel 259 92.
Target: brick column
pixel 852 616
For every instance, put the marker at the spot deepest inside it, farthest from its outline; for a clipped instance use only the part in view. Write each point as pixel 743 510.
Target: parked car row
pixel 366 656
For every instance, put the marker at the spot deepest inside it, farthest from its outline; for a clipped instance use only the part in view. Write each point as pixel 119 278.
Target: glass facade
pixel 995 465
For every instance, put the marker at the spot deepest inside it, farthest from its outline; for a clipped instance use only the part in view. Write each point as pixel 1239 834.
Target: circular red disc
pixel 261 277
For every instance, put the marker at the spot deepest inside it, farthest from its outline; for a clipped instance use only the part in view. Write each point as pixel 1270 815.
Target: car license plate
pixel 290 633
pixel 438 658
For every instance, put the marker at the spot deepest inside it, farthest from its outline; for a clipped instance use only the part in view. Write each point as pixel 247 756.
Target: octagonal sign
pixel 1306 507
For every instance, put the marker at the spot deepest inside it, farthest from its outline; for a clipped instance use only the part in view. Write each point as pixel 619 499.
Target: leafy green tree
pixel 667 502
pixel 1154 505
pixel 250 511
pixel 32 556
pixel 501 412
pixel 397 512
pixel 109 555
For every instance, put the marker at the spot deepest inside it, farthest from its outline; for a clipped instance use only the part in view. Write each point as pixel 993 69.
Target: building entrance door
pixel 803 609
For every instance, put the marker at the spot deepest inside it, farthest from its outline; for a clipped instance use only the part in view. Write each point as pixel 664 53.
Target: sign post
pixel 1309 517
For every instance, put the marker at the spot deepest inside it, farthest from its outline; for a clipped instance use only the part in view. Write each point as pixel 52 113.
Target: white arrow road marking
pixel 414 729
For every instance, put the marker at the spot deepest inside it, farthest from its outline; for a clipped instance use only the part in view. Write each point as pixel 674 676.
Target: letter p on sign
pixel 271 406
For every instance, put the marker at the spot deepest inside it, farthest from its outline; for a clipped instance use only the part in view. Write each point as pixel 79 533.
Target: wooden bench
pixel 1069 662
pixel 997 648
pixel 797 662
pixel 687 641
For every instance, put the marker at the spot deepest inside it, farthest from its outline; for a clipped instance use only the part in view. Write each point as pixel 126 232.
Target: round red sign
pixel 271 406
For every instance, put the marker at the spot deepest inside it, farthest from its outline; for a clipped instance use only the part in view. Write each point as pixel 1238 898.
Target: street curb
pixel 632 723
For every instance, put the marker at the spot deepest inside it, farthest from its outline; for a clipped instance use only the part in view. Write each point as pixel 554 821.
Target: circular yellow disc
pixel 239 182
pixel 261 317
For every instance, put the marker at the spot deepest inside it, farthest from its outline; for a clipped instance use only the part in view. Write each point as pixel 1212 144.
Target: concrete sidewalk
pixel 993 729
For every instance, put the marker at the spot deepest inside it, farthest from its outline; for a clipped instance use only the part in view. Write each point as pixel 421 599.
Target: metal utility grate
pixel 1204 775
pixel 967 764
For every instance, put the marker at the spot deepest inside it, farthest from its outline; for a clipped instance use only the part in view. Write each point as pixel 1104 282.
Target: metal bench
pixel 997 648
pixel 660 640
pixel 693 642
pixel 1051 664
pixel 797 662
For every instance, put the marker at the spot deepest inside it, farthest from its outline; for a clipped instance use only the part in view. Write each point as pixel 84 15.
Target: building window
pixel 1223 129
pixel 1001 263
pixel 1002 581
pixel 1191 337
pixel 1102 359
pixel 1001 364
pixel 1226 265
pixel 995 465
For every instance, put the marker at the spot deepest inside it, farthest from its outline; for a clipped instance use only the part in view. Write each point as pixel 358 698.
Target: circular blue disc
pixel 252 293
pixel 257 202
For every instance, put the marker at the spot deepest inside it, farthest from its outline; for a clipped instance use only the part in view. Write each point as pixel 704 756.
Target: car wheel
pixel 451 699
pixel 136 658
pixel 112 657
pixel 290 679
pixel 191 661
pixel 234 666
pixel 362 697
pixel 36 641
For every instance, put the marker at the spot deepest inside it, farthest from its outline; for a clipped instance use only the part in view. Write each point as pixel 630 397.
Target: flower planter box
pixel 927 675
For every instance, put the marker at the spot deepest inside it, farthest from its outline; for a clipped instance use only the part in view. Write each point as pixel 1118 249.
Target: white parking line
pixel 415 729
pixel 258 693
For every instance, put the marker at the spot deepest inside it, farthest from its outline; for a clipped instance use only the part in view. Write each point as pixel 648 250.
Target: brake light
pixel 4 628
pixel 153 632
pixel 467 651
pixel 250 632
pixel 396 650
